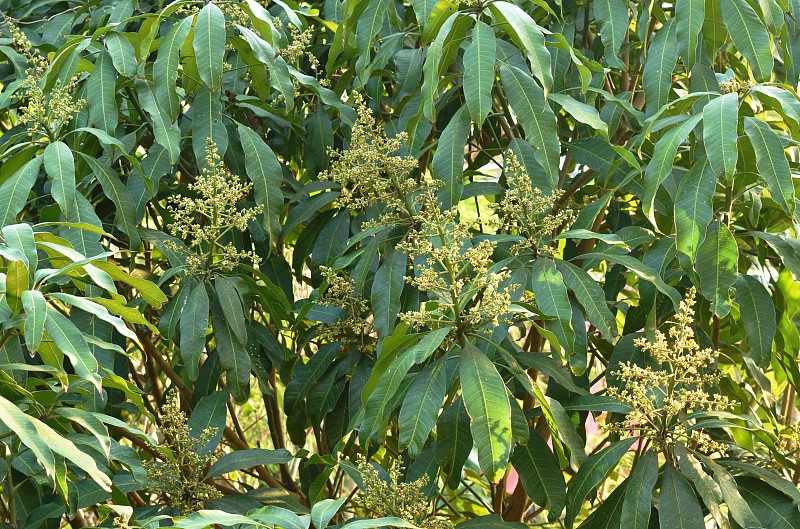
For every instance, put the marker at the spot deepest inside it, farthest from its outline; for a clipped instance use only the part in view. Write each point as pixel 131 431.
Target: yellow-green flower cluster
pixel 300 41
pixel 44 114
pixel 355 328
pixel 662 399
pixel 527 210
pixel 369 173
pixel 178 478
pixel 217 196
pixel 462 291
pixel 734 85
pixel 395 498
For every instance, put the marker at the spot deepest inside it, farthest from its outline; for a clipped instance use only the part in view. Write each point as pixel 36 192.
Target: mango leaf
pixel 590 474
pixel 553 300
pixel 689 15
pixel 661 59
pixel 209 44
pixel 750 36
pixel 717 260
pixel 772 164
pixel 677 505
pixel 581 112
pixel 530 36
pixel 540 474
pixel 613 18
pixel 35 316
pixel 14 191
pixel 165 67
pixel 720 123
pixel 69 339
pixel 265 172
pixel 453 442
pixel 639 493
pixel 119 195
pixel 479 76
pixel 421 407
pixel 210 412
pixel 590 296
pixel 487 404
pixel 194 327
pixel 231 304
pixel 528 101
pixel 386 290
pixel 102 105
pixel 60 167
pixel 448 160
pixel 693 209
pixel 323 511
pixel 758 314
pixel 122 53
pixel 232 354
pixel 249 458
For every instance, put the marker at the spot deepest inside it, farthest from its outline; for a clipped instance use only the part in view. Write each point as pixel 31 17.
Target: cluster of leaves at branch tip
pixel 528 211
pixel 663 398
pixel 218 194
pixel 45 114
pixel 355 329
pixel 396 498
pixel 369 172
pixel 178 478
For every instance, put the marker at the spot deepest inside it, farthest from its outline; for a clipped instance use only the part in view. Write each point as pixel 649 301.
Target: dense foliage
pixel 493 263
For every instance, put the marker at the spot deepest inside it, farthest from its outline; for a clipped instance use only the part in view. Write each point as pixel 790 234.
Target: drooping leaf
pixel 454 441
pixel 693 209
pixel 750 36
pixel 677 504
pixel 772 164
pixel 717 267
pixel 613 18
pixel 421 407
pixel 540 474
pixel 689 15
pixel 386 291
pixel 639 494
pixel 265 172
pixel 70 341
pixel 60 167
pixel 194 326
pixel 35 316
pixel 448 161
pixel 487 404
pixel 553 300
pixel 758 313
pixel 249 458
pixel 662 56
pixel 14 191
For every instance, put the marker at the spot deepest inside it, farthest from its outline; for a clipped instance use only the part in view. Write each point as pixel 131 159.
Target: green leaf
pixel 487 404
pixel 151 293
pixel 590 296
pixel 165 67
pixel 490 521
pixel 272 514
pixel 738 507
pixel 678 507
pixel 120 195
pixel 689 15
pixel 706 487
pixel 35 316
pixel 209 44
pixel 249 458
pixel 102 85
pixel 590 474
pixel 439 55
pixel 530 36
pixel 232 354
pixel 661 59
pixel 14 191
pixel 194 327
pixel 370 22
pixel 552 298
pixel 210 412
pixel 693 209
pixel 758 314
pixel 376 523
pixel 448 160
pixel 717 267
pixel 480 55
pixel 323 511
pixel 614 21
pixel 228 299
pixel 639 494
pixel 167 133
pixel 44 441
pixel 772 164
pixel 453 441
pixel 264 170
pixel 20 237
pixel 208 518
pixel 660 166
pixel 720 123
pixel 60 166
pixel 540 474
pixel 70 341
pixel 773 509
pixel 750 36
pixel 386 290
pixel 122 53
pixel 581 112
pixel 207 123
pixel 537 119
pixel 16 282
pixel 421 407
